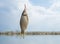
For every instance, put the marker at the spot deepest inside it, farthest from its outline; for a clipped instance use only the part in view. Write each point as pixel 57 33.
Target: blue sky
pixel 43 15
pixel 44 3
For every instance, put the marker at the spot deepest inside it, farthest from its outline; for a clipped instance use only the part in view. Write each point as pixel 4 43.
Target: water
pixel 35 39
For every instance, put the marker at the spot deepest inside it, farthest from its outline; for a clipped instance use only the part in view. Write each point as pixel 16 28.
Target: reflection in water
pixel 30 39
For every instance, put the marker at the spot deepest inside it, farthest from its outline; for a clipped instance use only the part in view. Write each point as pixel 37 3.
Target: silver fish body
pixel 23 21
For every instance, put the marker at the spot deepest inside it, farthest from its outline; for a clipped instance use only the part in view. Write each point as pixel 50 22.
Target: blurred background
pixel 44 15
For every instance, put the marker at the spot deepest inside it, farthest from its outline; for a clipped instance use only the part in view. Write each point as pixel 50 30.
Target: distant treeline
pixel 29 33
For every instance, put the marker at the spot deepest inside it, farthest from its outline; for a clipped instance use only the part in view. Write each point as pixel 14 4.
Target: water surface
pixel 34 39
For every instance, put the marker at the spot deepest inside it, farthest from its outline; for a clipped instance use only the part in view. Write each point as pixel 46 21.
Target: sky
pixel 44 15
